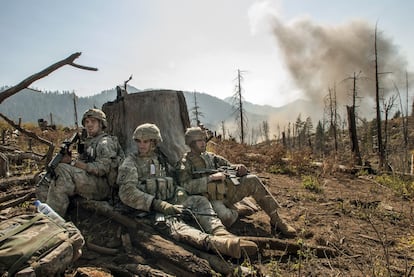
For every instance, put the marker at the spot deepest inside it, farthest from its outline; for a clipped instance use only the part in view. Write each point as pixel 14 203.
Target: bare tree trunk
pixel 381 155
pixel 353 135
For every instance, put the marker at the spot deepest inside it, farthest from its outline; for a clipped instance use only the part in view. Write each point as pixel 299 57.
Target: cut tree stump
pixel 165 108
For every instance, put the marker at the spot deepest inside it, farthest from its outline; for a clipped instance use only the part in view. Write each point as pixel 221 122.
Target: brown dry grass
pixel 369 223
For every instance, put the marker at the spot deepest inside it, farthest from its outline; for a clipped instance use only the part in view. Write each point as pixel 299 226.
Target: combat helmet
pixel 95 113
pixel 147 131
pixel 193 134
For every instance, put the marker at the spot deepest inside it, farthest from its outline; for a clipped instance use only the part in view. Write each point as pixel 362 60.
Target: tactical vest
pixel 153 178
pixel 90 156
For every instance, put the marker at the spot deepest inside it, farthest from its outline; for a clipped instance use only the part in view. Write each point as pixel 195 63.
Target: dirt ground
pixel 370 228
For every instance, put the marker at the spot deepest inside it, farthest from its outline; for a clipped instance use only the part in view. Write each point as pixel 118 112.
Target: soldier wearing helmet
pixel 145 184
pixel 199 173
pixel 97 114
pixel 92 174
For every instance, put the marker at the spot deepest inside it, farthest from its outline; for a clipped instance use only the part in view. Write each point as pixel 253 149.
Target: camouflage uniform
pixel 143 180
pixel 102 152
pixel 224 194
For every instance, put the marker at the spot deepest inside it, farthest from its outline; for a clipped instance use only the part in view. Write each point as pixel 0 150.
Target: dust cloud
pixel 320 58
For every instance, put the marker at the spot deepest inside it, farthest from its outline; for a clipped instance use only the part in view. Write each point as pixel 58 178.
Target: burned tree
pixel 238 106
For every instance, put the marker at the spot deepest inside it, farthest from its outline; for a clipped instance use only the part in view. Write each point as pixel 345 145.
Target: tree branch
pixel 26 82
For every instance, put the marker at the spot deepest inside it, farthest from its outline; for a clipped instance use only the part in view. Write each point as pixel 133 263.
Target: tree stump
pixel 165 108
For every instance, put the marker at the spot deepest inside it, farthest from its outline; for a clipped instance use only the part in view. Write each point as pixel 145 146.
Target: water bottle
pixel 47 210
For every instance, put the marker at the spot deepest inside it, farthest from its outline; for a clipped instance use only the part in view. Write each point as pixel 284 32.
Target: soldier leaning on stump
pixel 91 175
pixel 195 175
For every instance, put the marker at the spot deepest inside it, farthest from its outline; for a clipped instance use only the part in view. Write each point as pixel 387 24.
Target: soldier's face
pixel 92 126
pixel 199 146
pixel 144 146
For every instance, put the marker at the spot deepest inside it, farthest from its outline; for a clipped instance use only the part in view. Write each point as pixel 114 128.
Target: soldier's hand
pixel 165 207
pixel 241 170
pixel 66 159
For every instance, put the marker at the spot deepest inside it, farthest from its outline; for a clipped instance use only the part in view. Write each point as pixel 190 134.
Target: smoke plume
pixel 320 58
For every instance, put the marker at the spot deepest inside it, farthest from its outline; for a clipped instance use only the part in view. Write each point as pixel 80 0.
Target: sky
pixel 286 50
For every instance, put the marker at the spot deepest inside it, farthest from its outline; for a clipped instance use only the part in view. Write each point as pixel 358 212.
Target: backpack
pixel 34 245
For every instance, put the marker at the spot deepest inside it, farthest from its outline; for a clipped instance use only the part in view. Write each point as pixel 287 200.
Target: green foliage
pixel 282 169
pixel 397 184
pixel 311 183
pixel 362 172
pixel 273 269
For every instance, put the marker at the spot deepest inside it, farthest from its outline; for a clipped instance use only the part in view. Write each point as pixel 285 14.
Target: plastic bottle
pixel 47 210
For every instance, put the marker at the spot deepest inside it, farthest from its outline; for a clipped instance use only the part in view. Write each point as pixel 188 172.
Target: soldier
pixel 197 173
pixel 90 175
pixel 144 185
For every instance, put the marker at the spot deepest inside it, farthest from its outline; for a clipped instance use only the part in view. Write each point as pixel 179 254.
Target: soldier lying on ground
pixel 197 173
pixel 144 185
pixel 90 175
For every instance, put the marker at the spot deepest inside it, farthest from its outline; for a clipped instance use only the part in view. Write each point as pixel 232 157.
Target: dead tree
pixel 352 126
pixel 196 111
pixel 353 135
pixel 238 106
pixel 28 81
pixel 388 106
pixel 381 150
pixel 331 110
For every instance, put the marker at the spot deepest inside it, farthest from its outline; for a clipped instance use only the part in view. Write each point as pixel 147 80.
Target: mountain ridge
pixel 59 107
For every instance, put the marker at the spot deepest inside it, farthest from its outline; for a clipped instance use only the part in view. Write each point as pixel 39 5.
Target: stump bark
pixel 165 108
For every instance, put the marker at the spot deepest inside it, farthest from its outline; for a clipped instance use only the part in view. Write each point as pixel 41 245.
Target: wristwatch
pixel 72 163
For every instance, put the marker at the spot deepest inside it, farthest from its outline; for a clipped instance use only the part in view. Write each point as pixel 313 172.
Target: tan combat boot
pixel 279 224
pixel 248 247
pixel 222 232
pixel 229 246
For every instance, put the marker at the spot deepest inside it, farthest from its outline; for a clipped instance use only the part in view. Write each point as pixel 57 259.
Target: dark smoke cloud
pixel 322 57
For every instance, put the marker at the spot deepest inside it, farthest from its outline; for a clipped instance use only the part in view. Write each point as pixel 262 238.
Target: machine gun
pixel 229 171
pixel 64 150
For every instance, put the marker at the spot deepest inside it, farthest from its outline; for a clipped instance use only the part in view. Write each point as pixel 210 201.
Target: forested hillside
pixel 31 105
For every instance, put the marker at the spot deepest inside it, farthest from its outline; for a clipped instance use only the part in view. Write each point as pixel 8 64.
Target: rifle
pixel 186 214
pixel 229 171
pixel 64 150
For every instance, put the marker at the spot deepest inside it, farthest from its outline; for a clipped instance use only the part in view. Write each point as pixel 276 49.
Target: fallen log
pixel 145 270
pixel 16 194
pixel 7 182
pixel 17 201
pixel 101 249
pixel 51 146
pixel 291 248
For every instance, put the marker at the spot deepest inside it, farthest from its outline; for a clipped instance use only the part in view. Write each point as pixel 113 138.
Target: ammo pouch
pixel 216 190
pixel 161 187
